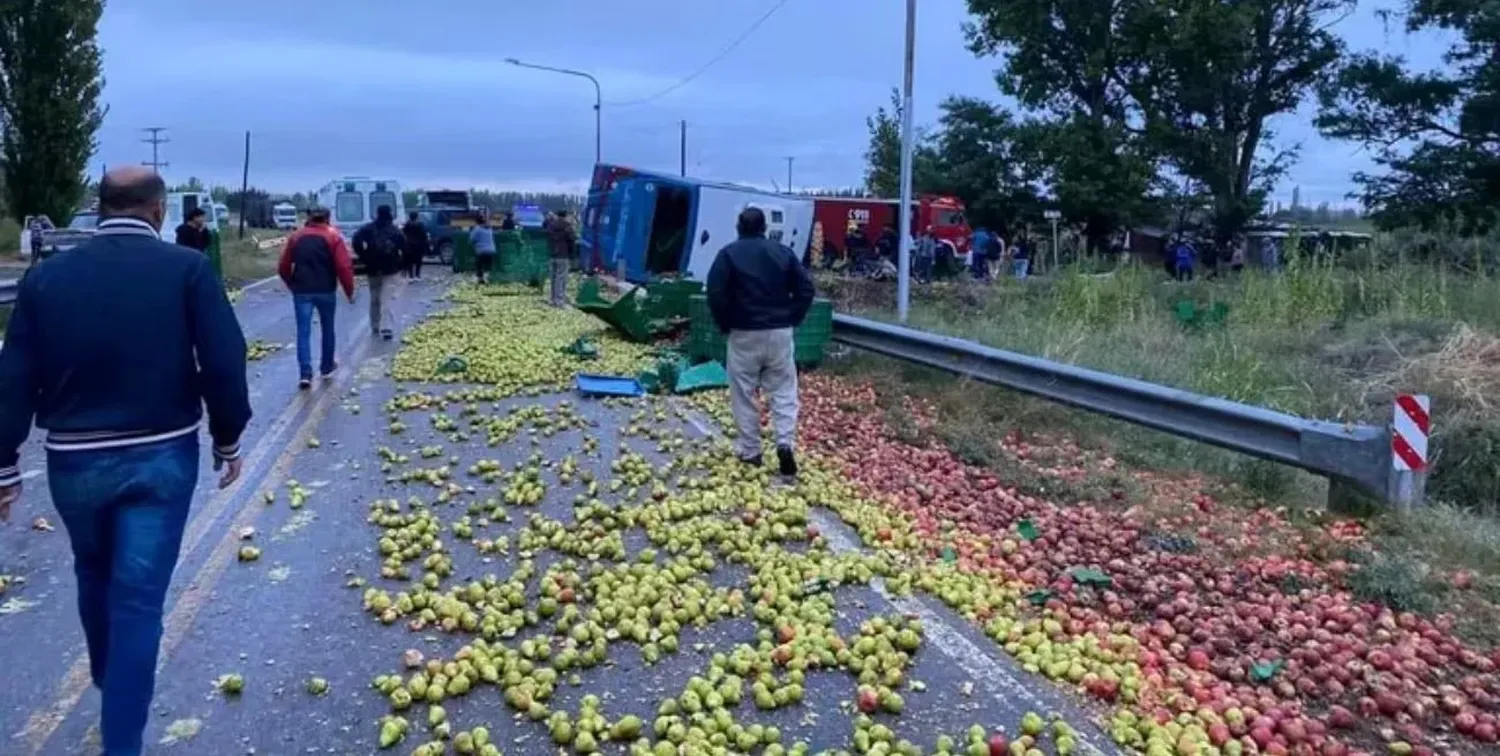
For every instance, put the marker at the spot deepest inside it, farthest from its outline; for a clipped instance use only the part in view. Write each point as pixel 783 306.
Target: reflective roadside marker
pixel 1410 427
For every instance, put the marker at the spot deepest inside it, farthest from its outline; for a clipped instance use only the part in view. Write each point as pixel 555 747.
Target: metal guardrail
pixel 1348 455
pixel 8 291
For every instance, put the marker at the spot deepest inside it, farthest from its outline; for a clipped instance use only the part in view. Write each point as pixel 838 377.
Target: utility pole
pixel 245 185
pixel 682 158
pixel 789 174
pixel 156 140
pixel 903 260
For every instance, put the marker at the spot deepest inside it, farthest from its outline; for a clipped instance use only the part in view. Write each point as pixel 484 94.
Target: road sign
pixel 1052 215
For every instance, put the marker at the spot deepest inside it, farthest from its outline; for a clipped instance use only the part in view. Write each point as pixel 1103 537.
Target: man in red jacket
pixel 314 264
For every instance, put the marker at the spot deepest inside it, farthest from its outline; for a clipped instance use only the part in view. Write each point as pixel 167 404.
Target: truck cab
pixel 284 216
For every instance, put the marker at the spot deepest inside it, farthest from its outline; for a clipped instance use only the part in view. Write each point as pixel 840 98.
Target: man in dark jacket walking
pixel 314 264
pixel 378 244
pixel 193 233
pixel 114 349
pixel 417 246
pixel 562 244
pixel 758 291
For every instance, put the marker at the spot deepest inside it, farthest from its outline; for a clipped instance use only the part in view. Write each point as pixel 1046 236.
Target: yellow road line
pixel 41 725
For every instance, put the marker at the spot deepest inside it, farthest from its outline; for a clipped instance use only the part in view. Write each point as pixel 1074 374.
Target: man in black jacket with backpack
pixel 379 246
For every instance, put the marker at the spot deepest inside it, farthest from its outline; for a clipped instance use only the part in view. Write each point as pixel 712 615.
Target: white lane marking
pixel 995 679
pixel 29 474
pixel 261 282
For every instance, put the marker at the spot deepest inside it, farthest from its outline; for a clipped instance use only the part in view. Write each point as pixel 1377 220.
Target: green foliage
pixel 1061 60
pixel 50 81
pixel 1436 132
pixel 883 154
pixel 1113 97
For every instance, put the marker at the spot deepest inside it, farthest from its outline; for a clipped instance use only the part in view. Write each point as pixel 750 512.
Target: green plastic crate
pixel 463 254
pixel 520 260
pixel 810 340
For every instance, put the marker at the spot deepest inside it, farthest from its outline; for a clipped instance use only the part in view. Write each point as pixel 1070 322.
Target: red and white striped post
pixel 1411 426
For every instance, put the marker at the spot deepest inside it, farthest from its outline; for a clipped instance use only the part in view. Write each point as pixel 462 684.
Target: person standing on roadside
pixel 508 223
pixel 483 239
pixel 193 233
pixel 758 291
pixel 417 246
pixel 122 417
pixel 378 244
pixel 314 264
pixel 562 244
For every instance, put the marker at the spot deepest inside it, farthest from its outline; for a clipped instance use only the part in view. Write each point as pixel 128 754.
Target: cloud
pixel 422 93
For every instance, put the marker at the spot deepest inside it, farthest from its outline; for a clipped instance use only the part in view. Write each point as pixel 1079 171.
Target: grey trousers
pixel 560 269
pixel 762 360
pixel 379 286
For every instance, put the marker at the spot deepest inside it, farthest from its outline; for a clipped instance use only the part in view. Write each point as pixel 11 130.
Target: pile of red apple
pixel 1251 630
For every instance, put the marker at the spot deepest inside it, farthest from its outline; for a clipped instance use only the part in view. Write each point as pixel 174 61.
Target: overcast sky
pixel 421 92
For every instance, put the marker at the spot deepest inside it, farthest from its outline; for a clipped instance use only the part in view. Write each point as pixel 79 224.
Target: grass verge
pixel 244 261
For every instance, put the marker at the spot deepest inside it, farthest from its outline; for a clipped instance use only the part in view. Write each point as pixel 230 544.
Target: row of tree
pixel 411 198
pixel 1139 112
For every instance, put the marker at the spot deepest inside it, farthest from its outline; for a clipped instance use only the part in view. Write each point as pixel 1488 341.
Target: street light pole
pixel 903 269
pixel 598 100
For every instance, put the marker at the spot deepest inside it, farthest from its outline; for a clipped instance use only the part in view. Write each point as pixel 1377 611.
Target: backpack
pixel 385 250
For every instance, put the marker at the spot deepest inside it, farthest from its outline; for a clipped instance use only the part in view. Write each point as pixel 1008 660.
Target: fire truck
pixel 834 216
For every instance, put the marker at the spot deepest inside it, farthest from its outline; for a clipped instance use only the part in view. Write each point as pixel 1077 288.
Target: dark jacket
pixel 316 260
pixel 756 284
pixel 562 239
pixel 122 341
pixel 378 246
pixel 418 244
pixel 193 238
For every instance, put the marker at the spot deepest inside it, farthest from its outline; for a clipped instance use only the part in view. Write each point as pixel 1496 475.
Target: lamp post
pixel 598 98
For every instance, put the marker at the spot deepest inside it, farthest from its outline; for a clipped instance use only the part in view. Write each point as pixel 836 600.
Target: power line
pixel 711 61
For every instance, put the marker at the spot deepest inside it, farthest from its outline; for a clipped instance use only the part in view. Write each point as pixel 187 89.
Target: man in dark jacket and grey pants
pixel 114 349
pixel 379 244
pixel 562 243
pixel 758 292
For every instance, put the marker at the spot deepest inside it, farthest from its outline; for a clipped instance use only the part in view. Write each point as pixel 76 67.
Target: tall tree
pixel 883 154
pixel 1119 84
pixel 1437 133
pixel 1207 90
pixel 977 155
pixel 1064 61
pixel 51 77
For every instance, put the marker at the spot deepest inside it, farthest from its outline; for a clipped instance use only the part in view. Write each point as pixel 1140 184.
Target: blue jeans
pixel 124 510
pixel 324 303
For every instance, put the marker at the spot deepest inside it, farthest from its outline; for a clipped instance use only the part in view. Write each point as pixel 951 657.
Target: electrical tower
pixel 156 140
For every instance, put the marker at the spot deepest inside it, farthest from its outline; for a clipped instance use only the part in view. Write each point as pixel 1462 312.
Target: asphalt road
pixel 291 615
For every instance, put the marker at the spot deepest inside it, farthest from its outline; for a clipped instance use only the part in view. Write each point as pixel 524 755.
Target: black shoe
pixel 304 384
pixel 755 461
pixel 387 334
pixel 787 460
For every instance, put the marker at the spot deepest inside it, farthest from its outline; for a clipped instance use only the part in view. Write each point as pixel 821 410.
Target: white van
pixel 179 204
pixel 352 200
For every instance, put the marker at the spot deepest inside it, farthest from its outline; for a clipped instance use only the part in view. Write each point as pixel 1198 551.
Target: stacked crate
pixel 706 342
